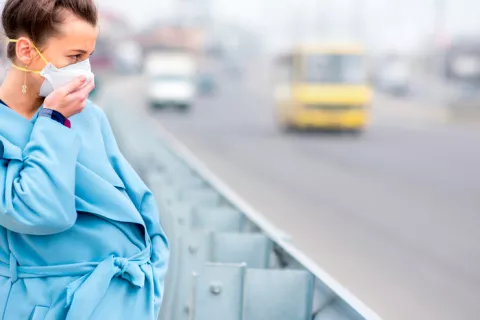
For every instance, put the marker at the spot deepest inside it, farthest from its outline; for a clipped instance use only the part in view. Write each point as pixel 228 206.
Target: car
pixel 171 80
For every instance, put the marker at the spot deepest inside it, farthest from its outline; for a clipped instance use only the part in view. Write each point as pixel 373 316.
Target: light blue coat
pixel 80 236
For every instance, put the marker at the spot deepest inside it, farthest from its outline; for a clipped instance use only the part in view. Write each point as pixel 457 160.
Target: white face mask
pixel 56 78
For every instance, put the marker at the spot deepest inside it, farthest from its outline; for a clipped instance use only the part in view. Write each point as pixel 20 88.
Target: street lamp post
pixel 440 39
pixel 358 19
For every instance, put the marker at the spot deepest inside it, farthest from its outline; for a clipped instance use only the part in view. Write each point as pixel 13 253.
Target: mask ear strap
pixel 25 69
pixel 36 49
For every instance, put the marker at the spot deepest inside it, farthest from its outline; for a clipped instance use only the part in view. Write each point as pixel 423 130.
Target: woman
pixel 79 231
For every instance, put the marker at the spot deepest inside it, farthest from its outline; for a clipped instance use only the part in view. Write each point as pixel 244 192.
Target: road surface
pixel 393 215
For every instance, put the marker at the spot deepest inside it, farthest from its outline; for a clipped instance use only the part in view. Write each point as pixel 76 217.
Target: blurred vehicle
pixel 322 87
pixel 128 57
pixel 206 84
pixel 462 72
pixel 394 77
pixel 171 79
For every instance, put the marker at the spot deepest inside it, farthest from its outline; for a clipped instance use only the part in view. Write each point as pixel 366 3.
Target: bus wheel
pixel 284 125
pixel 356 132
pixel 184 107
pixel 287 128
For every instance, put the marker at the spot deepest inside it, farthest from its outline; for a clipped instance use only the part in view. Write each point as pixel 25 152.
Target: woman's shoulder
pixel 91 112
pixel 92 109
pixel 91 122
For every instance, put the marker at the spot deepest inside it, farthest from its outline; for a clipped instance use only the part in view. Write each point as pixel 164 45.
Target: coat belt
pixel 85 293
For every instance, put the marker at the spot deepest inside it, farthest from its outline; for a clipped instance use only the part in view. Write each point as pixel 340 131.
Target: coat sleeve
pixel 37 184
pixel 145 203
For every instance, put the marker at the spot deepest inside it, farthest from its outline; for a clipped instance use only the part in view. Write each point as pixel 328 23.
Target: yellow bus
pixel 322 87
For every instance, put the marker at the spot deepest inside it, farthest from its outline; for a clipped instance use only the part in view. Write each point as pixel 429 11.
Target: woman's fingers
pixel 83 93
pixel 73 86
pixel 71 98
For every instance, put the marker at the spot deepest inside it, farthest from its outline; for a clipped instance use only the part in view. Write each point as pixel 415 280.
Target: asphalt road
pixel 393 215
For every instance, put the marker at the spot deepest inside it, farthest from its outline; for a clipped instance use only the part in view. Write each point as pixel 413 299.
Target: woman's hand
pixel 71 98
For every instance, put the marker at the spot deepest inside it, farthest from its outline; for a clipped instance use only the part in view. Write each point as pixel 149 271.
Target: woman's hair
pixel 39 19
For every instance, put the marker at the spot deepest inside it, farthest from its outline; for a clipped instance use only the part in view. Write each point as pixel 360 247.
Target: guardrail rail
pixel 227 260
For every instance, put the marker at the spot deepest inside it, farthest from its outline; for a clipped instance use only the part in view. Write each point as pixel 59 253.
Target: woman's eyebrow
pixel 81 51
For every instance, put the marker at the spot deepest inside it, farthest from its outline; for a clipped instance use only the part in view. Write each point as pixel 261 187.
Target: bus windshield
pixel 335 69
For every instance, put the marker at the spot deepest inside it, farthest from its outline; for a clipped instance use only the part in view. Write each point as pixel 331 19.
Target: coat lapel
pixel 98 188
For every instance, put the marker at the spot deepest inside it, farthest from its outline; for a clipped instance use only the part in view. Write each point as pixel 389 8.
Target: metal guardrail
pixel 184 185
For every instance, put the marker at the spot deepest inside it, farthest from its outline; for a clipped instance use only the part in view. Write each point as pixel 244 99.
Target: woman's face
pixel 74 43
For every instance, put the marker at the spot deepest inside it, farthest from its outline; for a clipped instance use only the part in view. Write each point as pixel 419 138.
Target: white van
pixel 171 79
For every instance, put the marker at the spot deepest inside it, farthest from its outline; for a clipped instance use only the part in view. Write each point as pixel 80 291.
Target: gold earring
pixel 24 87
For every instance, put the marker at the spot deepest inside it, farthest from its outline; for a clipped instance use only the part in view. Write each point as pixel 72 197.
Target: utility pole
pixel 295 24
pixel 358 20
pixel 440 32
pixel 440 22
pixel 440 38
pixel 320 23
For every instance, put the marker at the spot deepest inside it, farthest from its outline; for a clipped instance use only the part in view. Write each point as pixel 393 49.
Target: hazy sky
pixel 140 12
pixel 386 22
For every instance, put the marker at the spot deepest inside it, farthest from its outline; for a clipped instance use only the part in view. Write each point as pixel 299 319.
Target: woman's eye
pixel 76 57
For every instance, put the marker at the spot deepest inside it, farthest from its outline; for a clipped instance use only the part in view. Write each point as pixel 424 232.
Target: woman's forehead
pixel 77 33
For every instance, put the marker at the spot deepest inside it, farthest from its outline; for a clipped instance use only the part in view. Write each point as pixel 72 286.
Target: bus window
pixel 335 69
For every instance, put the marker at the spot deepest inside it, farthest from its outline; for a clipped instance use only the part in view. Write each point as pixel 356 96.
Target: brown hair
pixel 39 19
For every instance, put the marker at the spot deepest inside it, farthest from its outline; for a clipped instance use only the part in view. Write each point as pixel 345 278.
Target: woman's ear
pixel 24 50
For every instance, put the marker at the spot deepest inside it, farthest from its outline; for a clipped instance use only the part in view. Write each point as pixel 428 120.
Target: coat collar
pixel 16 128
pixel 99 189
